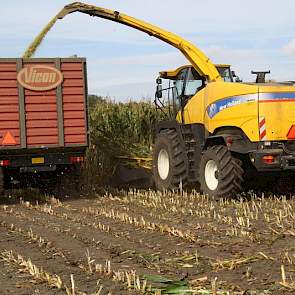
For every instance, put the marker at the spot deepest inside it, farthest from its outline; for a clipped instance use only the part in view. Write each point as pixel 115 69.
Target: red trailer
pixel 43 115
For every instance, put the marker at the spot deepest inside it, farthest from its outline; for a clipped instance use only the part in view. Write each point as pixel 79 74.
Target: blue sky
pixel 123 63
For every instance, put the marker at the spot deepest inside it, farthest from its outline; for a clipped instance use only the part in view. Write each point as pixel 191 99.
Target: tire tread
pixel 230 172
pixel 178 161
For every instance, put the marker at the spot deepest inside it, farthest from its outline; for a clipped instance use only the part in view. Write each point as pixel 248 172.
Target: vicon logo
pixel 39 77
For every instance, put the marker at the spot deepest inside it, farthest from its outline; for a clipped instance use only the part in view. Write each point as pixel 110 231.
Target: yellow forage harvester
pixel 223 130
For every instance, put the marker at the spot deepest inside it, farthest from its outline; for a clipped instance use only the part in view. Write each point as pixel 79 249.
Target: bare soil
pixel 130 243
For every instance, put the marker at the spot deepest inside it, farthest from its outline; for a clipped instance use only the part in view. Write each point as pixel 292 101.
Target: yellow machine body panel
pixel 223 104
pixel 276 111
pixel 253 108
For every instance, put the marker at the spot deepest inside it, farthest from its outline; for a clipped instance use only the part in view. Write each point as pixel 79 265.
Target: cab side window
pixel 194 83
pixel 179 83
pixel 178 89
pixel 187 84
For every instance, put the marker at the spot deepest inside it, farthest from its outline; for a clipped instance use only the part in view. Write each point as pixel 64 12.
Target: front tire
pixel 221 174
pixel 170 168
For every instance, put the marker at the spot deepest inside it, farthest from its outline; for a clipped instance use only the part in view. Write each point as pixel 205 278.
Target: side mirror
pixel 233 73
pixel 159 81
pixel 159 93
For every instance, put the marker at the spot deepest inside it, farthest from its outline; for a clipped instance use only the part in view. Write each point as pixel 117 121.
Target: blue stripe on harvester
pixel 228 102
pixel 277 95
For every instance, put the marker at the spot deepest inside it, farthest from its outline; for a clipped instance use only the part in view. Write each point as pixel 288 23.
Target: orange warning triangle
pixel 8 139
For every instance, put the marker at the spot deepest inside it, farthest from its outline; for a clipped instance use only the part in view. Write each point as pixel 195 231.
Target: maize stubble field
pixel 143 242
pixel 148 242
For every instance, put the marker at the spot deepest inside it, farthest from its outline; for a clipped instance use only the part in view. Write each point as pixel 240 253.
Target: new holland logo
pixel 39 77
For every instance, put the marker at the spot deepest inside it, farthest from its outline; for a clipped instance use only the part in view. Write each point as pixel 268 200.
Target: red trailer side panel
pixel 43 103
pixel 41 107
pixel 9 105
pixel 73 104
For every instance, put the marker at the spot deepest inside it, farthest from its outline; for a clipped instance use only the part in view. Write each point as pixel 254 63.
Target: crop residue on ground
pixel 148 243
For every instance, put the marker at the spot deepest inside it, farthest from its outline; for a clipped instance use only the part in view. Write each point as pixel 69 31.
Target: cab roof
pixel 172 74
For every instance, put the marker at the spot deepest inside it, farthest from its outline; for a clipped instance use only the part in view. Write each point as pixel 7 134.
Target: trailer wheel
pixel 170 168
pixel 1 181
pixel 221 174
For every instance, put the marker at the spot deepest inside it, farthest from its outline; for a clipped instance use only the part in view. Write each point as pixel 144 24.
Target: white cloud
pixel 135 76
pixel 117 71
pixel 242 33
pixel 138 69
pixel 241 60
pixel 289 49
pixel 220 53
pixel 124 92
pixel 182 18
pixel 144 59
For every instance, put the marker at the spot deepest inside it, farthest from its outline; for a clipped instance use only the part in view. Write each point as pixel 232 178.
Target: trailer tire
pixel 221 174
pixel 170 166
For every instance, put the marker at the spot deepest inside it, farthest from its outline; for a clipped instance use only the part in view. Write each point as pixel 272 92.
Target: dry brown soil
pixel 124 243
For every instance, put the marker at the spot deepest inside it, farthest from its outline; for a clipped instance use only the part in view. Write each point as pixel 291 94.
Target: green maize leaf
pixel 157 279
pixel 176 290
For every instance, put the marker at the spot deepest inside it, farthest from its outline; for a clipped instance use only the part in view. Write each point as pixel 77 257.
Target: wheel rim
pixel 211 177
pixel 163 164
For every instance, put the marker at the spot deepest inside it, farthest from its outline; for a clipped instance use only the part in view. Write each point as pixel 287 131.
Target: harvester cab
pixel 182 84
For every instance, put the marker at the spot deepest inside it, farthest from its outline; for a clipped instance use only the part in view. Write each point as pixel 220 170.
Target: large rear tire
pixel 221 174
pixel 170 166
